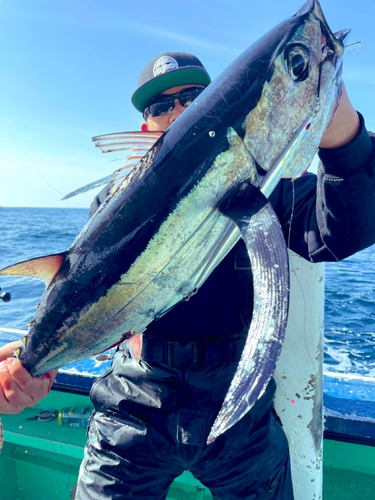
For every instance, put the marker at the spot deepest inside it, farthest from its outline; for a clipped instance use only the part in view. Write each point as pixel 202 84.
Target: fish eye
pixel 297 58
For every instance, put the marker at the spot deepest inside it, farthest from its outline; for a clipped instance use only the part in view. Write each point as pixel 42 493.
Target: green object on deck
pixel 40 460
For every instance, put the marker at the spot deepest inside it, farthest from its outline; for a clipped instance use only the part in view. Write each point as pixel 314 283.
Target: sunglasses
pixel 164 104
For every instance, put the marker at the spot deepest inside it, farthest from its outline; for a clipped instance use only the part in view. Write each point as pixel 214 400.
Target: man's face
pixel 162 122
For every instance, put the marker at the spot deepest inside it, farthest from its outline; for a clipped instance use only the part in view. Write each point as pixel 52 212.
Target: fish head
pixel 300 94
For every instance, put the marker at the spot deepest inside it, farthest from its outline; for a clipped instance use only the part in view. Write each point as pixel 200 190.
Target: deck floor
pixel 40 461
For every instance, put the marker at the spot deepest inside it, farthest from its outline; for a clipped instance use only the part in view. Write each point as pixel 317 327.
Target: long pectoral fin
pixel 41 268
pixel 263 236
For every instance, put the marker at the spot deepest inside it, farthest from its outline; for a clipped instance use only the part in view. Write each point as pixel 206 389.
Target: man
pixel 152 417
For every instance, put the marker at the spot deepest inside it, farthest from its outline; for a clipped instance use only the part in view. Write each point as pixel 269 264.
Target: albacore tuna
pixel 165 227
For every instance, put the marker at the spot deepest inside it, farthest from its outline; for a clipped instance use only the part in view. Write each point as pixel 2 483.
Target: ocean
pixel 349 300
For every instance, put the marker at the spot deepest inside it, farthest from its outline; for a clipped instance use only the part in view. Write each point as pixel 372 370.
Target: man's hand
pixel 344 126
pixel 18 389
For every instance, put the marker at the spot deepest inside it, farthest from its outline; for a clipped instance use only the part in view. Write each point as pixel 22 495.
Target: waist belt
pixel 193 354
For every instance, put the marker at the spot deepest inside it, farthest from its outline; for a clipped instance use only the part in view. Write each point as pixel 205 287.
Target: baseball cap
pixel 169 69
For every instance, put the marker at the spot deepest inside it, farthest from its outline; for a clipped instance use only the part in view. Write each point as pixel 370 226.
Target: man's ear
pixel 144 127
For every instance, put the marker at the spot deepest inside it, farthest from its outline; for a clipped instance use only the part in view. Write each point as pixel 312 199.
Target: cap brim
pixel 182 76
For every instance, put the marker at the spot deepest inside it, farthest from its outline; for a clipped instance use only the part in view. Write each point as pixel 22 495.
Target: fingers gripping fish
pixel 164 228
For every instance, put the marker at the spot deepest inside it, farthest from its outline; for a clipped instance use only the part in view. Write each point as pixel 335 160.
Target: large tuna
pixel 163 229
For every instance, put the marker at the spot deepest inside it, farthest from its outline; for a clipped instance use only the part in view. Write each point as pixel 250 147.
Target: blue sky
pixel 69 67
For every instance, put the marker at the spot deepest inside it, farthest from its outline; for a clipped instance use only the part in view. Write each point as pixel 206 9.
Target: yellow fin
pixel 41 268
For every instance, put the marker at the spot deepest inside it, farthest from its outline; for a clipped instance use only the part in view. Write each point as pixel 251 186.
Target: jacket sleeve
pixel 329 217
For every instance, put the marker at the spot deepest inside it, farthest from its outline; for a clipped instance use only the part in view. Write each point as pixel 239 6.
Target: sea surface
pixel 350 284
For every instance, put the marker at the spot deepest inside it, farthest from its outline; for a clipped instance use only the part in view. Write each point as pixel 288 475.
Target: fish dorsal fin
pixel 132 145
pixel 133 142
pixel 41 268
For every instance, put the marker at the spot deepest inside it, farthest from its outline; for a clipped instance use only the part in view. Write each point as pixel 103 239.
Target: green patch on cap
pixel 188 75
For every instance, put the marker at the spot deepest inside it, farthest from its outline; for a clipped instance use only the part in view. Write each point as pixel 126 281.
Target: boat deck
pixel 40 460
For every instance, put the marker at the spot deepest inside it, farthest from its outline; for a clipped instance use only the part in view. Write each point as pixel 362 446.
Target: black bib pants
pixel 155 427
pixel 153 417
